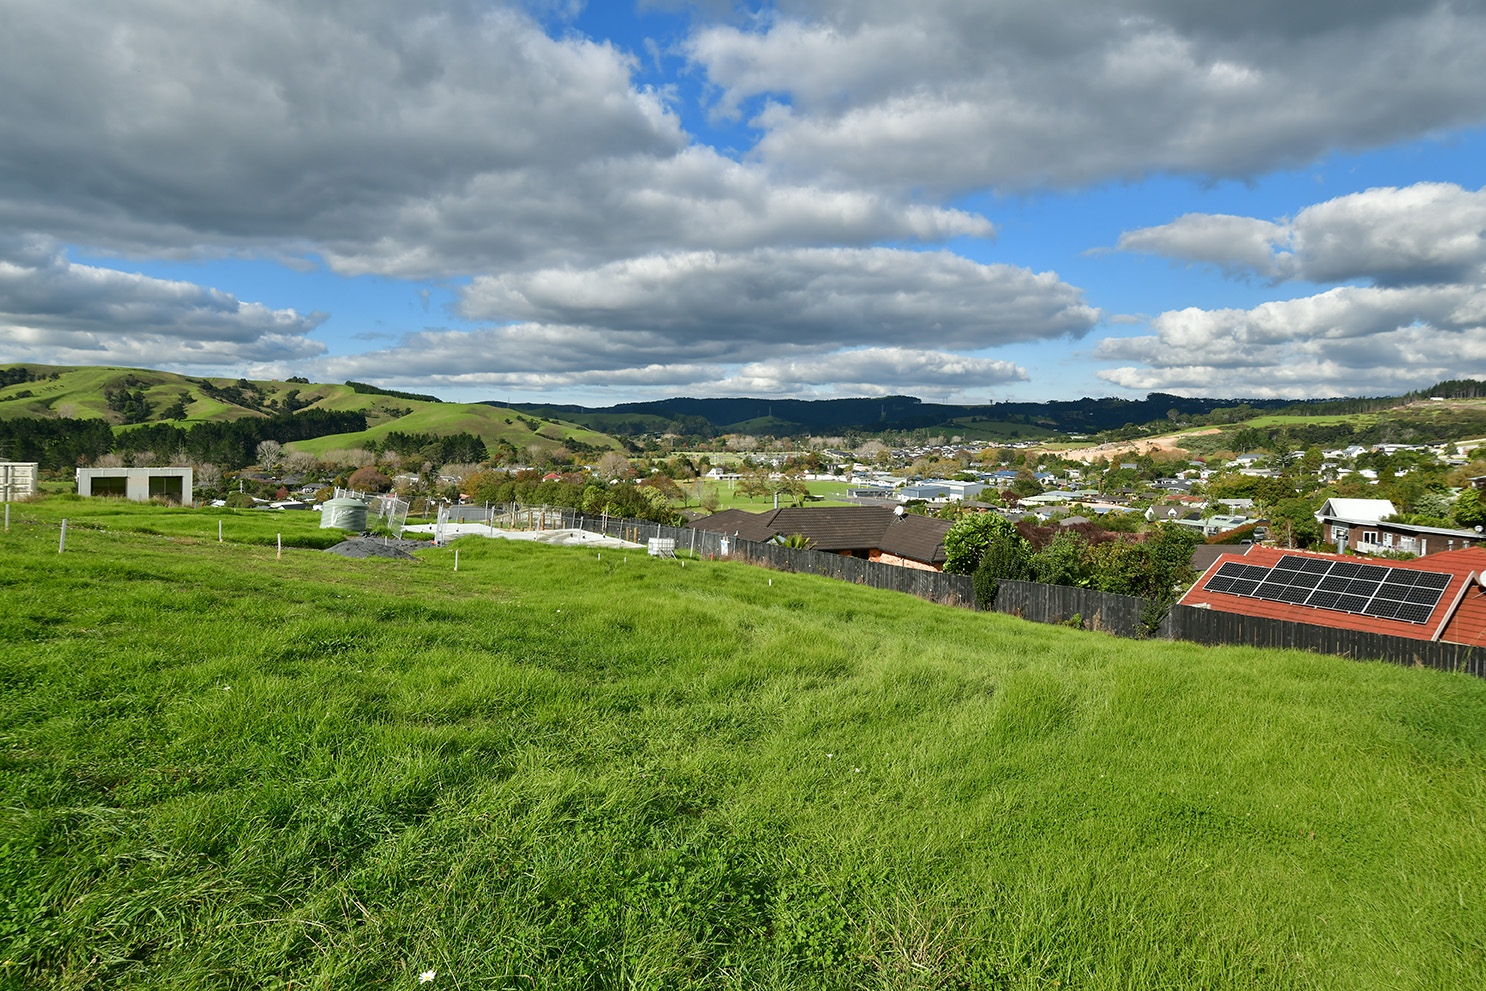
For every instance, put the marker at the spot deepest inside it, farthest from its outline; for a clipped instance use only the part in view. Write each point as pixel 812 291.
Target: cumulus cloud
pixel 741 303
pixel 872 372
pixel 1237 245
pixel 56 312
pixel 482 360
pixel 445 139
pixel 1345 340
pixel 1427 233
pixel 959 94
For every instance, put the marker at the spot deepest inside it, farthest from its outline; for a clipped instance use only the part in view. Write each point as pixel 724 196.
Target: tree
pixel 792 486
pixel 612 465
pixel 1470 511
pixel 972 537
pixel 269 453
pixel 754 484
pixel 1064 561
pixel 368 479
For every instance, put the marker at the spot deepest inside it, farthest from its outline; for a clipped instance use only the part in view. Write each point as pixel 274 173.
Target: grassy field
pixel 80 391
pixel 831 493
pixel 551 769
pixel 489 423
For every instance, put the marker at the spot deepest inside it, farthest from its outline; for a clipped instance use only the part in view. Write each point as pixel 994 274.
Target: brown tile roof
pixel 839 528
pixel 835 528
pixel 918 537
pixel 749 526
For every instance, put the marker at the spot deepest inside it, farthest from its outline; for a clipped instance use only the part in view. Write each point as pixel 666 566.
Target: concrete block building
pixel 136 484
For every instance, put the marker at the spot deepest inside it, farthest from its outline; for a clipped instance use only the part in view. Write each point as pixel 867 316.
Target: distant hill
pixel 128 396
pixel 795 416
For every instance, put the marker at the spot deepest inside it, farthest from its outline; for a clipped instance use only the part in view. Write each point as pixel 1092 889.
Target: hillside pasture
pixel 556 769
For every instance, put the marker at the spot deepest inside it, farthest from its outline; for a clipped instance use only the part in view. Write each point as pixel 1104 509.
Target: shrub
pixel 971 537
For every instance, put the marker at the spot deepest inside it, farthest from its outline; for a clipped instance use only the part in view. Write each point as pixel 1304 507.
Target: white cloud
pixel 872 372
pixel 1345 341
pixel 741 304
pixel 56 312
pixel 420 142
pixel 1237 245
pixel 964 94
pixel 1427 233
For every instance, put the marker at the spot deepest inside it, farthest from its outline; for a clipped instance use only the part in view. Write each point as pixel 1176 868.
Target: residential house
pixel 874 533
pixel 1438 598
pixel 1358 525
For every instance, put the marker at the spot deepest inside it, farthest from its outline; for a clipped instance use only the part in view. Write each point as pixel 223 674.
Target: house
pixel 1357 524
pixel 1361 510
pixel 1440 598
pixel 874 533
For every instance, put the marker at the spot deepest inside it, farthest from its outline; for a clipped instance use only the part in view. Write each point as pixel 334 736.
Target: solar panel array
pixel 1343 586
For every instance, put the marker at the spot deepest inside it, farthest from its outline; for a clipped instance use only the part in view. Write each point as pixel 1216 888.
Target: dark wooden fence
pixel 1120 615
pixel 1214 627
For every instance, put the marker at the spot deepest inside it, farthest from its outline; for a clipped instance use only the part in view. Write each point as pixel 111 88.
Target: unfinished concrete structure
pixel 136 484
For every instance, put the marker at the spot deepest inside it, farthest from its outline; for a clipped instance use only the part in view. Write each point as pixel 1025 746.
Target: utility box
pixel 17 479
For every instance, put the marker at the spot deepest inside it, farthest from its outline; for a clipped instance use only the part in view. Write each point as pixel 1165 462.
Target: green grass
pixel 831 493
pixel 82 389
pixel 487 422
pixel 261 527
pixel 551 769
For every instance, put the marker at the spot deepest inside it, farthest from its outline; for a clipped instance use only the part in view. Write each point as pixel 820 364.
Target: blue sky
pixel 963 200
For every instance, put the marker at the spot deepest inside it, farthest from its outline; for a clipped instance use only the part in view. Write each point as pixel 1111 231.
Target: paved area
pixel 559 538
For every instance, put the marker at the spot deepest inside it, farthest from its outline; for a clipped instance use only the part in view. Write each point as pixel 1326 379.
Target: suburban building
pixel 1438 598
pixel 1358 525
pixel 137 484
pixel 874 533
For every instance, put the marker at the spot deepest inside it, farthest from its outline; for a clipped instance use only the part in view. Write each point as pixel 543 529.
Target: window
pixel 1369 536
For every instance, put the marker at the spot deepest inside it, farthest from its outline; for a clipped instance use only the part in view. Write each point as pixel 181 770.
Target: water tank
pixel 343 514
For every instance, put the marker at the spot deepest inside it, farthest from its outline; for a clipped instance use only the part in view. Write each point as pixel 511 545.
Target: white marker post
pixel 456 559
pixel 281 547
pixel 219 531
pixel 62 544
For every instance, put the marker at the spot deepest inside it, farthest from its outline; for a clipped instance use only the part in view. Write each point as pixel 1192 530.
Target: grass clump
pixel 550 769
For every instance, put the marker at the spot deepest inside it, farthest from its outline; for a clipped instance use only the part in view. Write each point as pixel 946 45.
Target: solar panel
pixel 1415 614
pixel 1381 608
pixel 1340 586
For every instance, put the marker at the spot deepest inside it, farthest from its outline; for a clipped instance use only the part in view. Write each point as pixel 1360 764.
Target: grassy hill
pixel 78 392
pixel 558 770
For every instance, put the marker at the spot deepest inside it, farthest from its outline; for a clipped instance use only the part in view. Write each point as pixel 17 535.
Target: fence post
pixel 62 543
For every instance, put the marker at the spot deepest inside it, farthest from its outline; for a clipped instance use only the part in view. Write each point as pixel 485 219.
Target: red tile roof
pixel 1459 616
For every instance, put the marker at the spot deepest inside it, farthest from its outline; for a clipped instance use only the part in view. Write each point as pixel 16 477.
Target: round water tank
pixel 343 514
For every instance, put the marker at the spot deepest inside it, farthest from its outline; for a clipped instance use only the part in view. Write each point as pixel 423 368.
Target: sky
pixel 558 201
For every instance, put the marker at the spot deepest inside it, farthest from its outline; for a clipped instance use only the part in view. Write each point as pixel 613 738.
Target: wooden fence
pixel 1120 615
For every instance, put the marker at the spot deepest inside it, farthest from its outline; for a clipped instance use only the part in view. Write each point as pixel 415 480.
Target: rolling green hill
pixel 80 393
pixel 553 768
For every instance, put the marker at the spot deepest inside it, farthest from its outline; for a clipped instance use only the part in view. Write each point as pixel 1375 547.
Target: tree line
pixel 57 445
